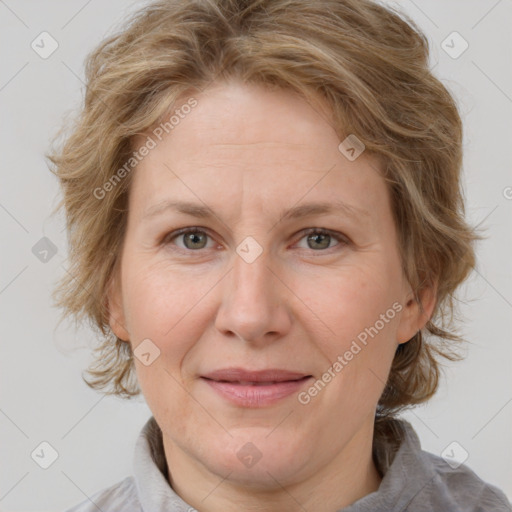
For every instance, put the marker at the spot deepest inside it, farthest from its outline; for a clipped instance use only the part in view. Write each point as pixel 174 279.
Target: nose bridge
pixel 250 278
pixel 250 306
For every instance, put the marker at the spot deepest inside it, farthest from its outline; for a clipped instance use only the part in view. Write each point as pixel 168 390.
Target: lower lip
pixel 256 395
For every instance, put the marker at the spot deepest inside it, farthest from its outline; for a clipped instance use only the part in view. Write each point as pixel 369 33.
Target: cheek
pixel 364 315
pixel 168 307
pixel 353 305
pixel 157 299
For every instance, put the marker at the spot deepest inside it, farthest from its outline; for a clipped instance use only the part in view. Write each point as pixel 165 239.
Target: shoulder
pixel 419 481
pixel 120 496
pixel 461 488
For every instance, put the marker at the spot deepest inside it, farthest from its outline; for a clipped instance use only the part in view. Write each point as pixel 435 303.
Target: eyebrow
pixel 296 212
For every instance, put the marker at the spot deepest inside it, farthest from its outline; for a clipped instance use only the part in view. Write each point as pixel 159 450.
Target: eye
pixel 319 239
pixel 192 238
pixel 195 239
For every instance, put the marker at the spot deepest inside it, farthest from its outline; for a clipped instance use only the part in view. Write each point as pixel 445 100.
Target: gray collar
pixel 396 451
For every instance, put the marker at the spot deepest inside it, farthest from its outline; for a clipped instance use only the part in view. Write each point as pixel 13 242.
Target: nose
pixel 253 307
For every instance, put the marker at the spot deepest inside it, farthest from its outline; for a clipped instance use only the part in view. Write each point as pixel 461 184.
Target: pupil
pixel 194 238
pixel 324 238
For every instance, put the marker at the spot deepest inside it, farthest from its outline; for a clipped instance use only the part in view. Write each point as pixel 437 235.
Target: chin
pixel 257 462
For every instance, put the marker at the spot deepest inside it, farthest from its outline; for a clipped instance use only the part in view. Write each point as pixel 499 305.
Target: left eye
pixel 318 239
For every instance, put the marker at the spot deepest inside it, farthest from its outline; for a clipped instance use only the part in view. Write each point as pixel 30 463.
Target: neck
pixel 349 476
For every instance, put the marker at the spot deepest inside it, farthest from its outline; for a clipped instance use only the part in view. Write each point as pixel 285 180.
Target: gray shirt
pixel 413 480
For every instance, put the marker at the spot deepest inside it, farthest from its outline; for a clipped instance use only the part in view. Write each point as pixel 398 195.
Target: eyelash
pixel 340 238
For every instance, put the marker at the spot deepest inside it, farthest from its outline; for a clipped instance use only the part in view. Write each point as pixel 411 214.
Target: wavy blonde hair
pixel 368 62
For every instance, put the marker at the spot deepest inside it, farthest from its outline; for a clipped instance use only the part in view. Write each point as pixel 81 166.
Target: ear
pixel 416 312
pixel 116 316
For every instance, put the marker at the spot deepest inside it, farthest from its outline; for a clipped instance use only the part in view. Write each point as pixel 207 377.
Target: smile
pixel 253 389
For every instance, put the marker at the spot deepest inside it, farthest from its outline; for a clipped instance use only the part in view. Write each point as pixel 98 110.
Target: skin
pixel 250 153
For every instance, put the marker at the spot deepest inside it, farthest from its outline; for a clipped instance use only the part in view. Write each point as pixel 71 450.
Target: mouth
pixel 246 388
pixel 258 377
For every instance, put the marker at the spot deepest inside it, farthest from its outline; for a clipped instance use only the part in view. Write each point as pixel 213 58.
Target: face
pixel 271 323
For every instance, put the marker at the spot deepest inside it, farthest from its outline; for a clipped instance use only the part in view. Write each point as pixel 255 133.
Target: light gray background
pixel 42 395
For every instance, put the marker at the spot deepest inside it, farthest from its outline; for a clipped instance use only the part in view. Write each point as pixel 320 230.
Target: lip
pixel 260 388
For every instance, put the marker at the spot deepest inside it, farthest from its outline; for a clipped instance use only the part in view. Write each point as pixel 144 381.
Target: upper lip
pixel 243 375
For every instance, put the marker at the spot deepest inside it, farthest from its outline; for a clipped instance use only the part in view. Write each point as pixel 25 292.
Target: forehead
pixel 248 143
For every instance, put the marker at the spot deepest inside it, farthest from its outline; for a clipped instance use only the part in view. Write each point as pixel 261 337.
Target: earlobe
pixel 116 317
pixel 417 312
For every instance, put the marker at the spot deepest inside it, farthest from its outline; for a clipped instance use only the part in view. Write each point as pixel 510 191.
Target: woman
pixel 265 220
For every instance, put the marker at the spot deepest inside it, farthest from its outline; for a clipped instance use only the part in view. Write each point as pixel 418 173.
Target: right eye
pixel 193 239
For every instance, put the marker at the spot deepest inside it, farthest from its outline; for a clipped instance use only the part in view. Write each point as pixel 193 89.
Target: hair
pixel 367 62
